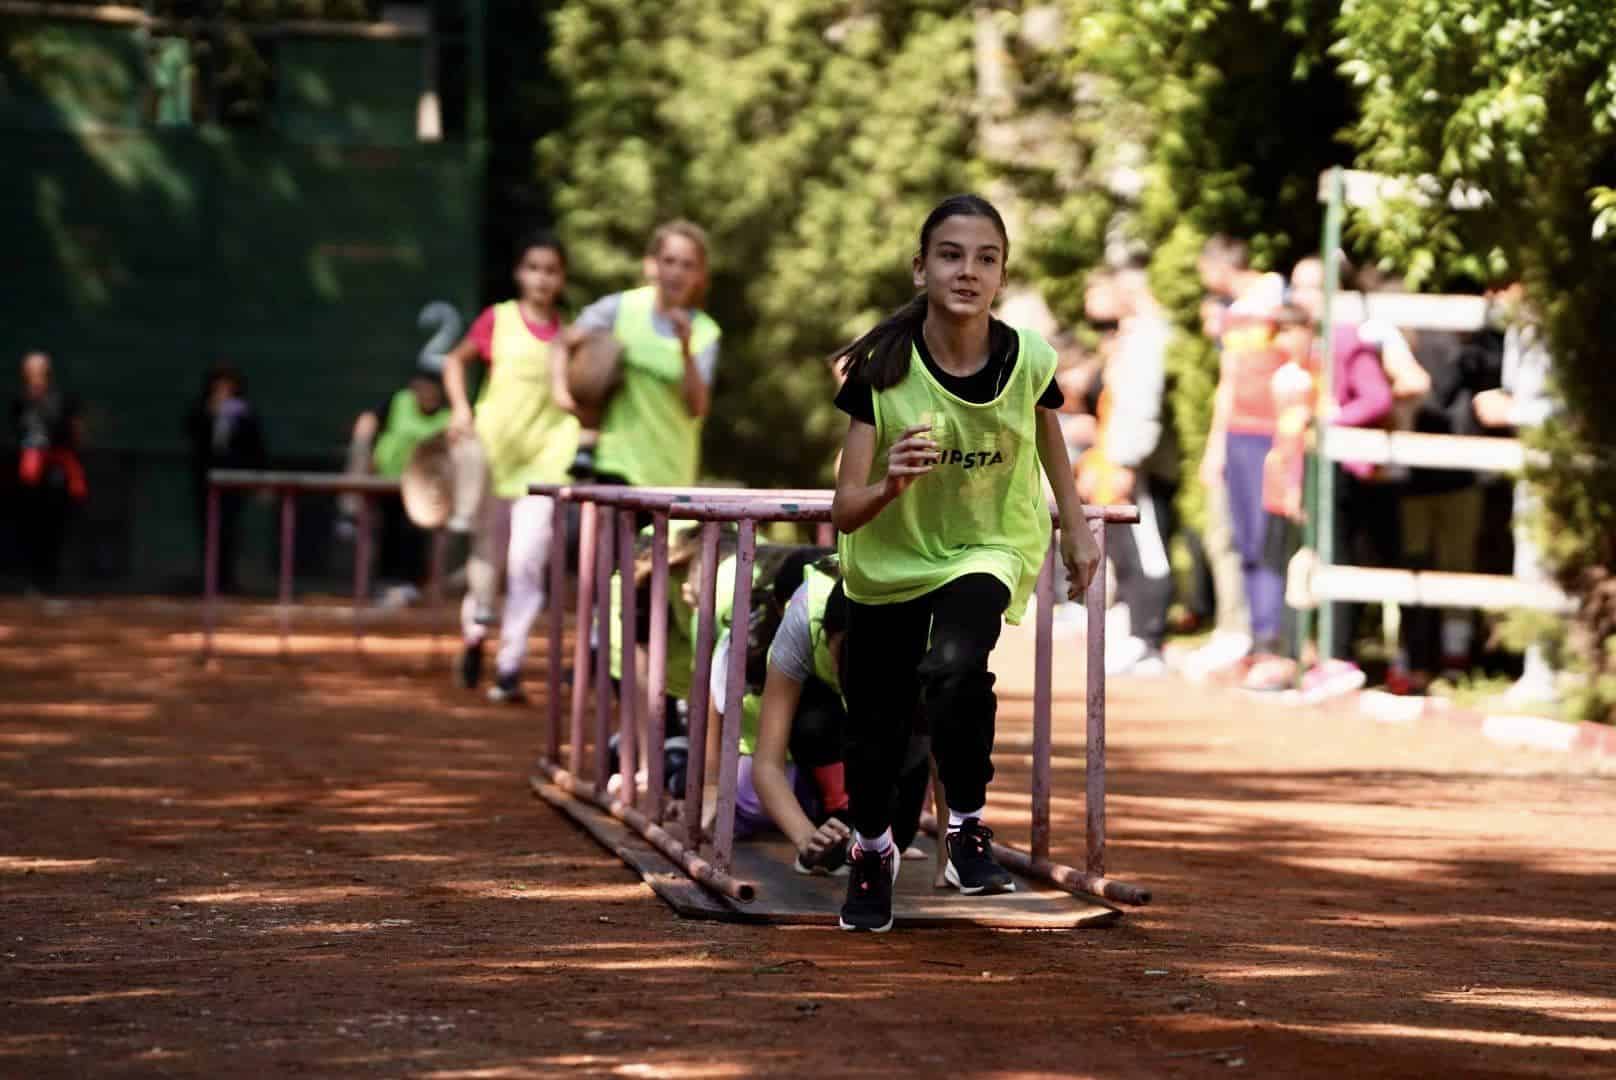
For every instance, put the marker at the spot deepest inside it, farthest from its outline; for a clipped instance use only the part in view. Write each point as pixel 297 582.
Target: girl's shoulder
pixel 1033 349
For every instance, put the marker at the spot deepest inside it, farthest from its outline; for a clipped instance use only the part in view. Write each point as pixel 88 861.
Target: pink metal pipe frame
pixel 605 525
pixel 632 706
pixel 656 669
pixel 712 506
pixel 287 486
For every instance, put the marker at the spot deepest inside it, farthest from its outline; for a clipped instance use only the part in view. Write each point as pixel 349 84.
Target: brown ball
pixel 594 372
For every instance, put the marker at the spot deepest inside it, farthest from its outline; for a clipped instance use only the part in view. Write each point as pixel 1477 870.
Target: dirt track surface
pixel 333 867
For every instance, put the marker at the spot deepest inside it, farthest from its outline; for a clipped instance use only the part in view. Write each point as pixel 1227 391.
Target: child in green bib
pixel 522 420
pixel 944 528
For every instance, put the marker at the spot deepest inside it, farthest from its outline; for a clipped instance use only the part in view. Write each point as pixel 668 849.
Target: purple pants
pixel 1265 586
pixel 750 816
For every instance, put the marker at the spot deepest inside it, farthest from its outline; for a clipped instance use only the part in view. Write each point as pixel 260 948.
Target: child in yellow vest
pixel 523 421
pixel 650 433
pixel 948 401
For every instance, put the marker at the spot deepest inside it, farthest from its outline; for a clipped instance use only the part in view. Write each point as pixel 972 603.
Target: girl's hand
pixel 462 424
pixel 562 396
pixel 680 318
pixel 824 838
pixel 911 456
pixel 1081 554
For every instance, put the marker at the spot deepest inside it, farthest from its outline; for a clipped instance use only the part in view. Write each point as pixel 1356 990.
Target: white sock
pixel 882 845
pixel 956 818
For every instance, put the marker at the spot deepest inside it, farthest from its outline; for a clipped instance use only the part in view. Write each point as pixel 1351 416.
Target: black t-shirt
pixel 857 400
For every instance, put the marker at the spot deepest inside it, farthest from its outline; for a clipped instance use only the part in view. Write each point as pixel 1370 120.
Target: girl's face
pixel 681 271
pixel 963 269
pixel 540 276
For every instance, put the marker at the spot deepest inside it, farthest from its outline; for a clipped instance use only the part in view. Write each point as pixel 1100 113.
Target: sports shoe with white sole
pixel 869 891
pixel 971 867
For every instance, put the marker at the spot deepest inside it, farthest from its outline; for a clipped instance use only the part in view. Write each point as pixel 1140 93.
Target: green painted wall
pixel 301 250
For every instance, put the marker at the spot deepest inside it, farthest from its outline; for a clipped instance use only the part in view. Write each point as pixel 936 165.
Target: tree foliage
pixel 1516 99
pixel 808 137
pixel 1228 110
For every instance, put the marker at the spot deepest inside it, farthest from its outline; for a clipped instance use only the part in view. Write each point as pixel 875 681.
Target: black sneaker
pixel 469 671
pixel 971 868
pixel 869 892
pixel 507 690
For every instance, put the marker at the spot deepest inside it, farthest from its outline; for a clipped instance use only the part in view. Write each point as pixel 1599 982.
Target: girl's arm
pixel 781 694
pixel 1212 457
pixel 698 396
pixel 1079 551
pixel 1369 392
pixel 454 385
pixel 857 501
pixel 560 392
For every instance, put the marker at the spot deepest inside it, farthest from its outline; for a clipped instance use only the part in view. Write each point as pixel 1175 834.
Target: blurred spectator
pixel 50 476
pixel 1442 508
pixel 382 442
pixel 1242 433
pixel 1135 460
pixel 1366 512
pixel 1224 267
pixel 224 433
pixel 1522 401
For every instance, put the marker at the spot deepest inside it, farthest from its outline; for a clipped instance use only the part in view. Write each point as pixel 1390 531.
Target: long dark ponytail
pixel 880 356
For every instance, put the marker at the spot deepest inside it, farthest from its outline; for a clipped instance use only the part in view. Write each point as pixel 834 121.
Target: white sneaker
pixel 1123 654
pixel 1070 617
pixel 1532 689
pixel 1223 651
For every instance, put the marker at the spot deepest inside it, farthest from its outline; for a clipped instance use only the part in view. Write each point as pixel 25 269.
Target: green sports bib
pixel 981 510
pixel 647 436
pixel 407 428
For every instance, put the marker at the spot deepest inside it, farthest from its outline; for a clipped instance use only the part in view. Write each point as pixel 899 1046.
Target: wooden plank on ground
pixel 787 897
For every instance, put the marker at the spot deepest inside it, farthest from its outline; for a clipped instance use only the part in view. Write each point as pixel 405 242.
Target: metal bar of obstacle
pixel 587 541
pixel 361 576
pixel 210 572
pixel 682 856
pixel 605 552
pixel 700 690
pixel 1094 739
pixel 288 548
pixel 1042 710
pixel 656 674
pixel 734 693
pixel 557 627
pixel 629 702
pixel 712 508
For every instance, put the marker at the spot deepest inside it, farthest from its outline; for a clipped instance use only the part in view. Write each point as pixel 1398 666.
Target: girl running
pixel 528 436
pixel 949 401
pixel 650 434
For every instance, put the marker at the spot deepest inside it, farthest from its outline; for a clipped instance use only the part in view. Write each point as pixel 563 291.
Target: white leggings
pixel 521 530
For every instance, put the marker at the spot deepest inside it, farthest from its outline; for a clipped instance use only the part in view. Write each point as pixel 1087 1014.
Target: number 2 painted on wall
pixel 445 317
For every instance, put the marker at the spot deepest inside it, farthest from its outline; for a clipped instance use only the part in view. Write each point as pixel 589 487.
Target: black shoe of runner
pixel 971 867
pixel 869 891
pixel 469 669
pixel 507 690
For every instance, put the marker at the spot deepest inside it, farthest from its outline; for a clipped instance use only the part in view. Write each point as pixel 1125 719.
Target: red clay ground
pixel 333 867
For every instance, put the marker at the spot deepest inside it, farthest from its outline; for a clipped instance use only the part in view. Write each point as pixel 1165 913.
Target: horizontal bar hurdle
pixel 606 542
pixel 286 487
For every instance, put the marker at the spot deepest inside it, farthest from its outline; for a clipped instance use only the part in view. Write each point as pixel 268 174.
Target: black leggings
pixel 925 659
